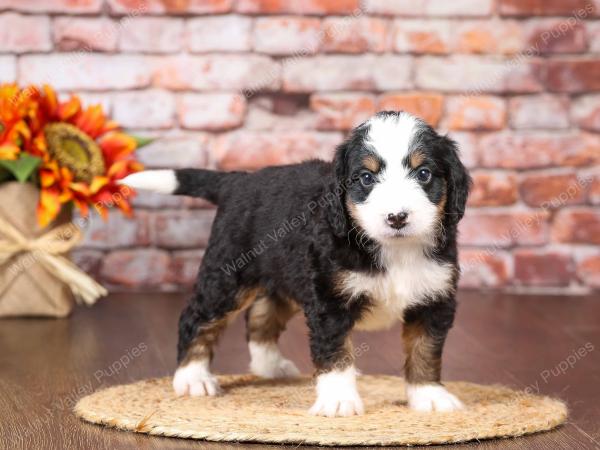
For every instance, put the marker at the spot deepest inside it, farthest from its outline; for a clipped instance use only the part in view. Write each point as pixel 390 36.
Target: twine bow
pixel 47 250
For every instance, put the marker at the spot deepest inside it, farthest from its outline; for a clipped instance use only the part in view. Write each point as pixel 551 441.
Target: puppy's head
pixel 402 180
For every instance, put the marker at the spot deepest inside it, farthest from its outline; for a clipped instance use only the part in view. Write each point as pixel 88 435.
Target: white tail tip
pixel 162 181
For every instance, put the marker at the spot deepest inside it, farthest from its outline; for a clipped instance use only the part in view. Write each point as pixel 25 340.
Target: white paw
pixel 267 362
pixel 196 380
pixel 337 395
pixel 431 397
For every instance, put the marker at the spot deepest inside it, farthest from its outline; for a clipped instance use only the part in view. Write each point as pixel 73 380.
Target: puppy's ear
pixel 458 182
pixel 338 217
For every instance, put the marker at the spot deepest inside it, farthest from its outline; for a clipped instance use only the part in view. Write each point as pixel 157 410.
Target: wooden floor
pixel 46 365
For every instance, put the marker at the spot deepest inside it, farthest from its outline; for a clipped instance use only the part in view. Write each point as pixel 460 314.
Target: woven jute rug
pixel 254 410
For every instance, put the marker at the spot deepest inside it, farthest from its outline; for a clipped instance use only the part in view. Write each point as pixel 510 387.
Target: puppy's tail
pixel 192 182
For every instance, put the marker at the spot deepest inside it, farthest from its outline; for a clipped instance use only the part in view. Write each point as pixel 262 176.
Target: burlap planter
pixel 26 287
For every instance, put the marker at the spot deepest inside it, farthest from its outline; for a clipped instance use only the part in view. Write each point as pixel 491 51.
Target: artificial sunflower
pixel 80 153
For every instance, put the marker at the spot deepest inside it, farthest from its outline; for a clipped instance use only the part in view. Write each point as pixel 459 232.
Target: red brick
pixel 117 231
pixel 303 7
pixel 588 270
pixel 56 6
pixel 593 35
pixel 217 72
pixel 211 111
pixel 341 111
pixel 219 34
pixel 287 35
pixel 151 34
pixel 543 268
pixel 484 268
pixel 254 150
pixel 553 190
pixel 86 34
pixel 181 228
pixel 493 189
pixel 484 36
pixel 359 73
pixel 459 7
pixel 544 7
pixel 184 267
pixel 577 226
pixel 571 75
pixel 427 106
pixel 585 111
pixel 176 152
pixel 475 75
pixel 539 111
pixel 537 150
pixel 95 72
pixel 139 268
pixel 475 113
pixel 264 115
pixel 441 8
pixel 89 261
pixel 138 7
pixel 442 36
pixel 144 109
pixel 594 191
pixel 467 145
pixel 396 7
pixel 423 36
pixel 8 69
pixel 499 229
pixel 20 33
pixel 556 36
pixel 354 35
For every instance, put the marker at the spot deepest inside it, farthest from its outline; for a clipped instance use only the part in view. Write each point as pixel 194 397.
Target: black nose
pixel 397 221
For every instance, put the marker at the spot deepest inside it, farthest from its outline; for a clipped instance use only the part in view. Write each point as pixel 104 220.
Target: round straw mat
pixel 255 410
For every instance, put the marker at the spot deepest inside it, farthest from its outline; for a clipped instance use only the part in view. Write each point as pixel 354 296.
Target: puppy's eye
pixel 424 175
pixel 366 179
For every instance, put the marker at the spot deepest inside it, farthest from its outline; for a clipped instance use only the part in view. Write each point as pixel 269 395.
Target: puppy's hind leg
pixel 266 320
pixel 202 321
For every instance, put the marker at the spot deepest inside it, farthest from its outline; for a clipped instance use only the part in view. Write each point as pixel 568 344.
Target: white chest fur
pixel 410 278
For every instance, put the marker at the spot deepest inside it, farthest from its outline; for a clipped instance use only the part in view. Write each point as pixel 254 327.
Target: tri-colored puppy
pixel 359 243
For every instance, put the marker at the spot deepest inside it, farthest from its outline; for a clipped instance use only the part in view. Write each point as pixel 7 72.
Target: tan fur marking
pixel 422 365
pixel 267 318
pixel 416 159
pixel 372 163
pixel 201 347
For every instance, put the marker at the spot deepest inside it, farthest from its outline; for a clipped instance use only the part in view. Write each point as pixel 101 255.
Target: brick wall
pixel 239 84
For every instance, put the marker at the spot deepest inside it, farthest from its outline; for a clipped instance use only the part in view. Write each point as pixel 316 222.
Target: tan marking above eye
pixel 372 163
pixel 416 159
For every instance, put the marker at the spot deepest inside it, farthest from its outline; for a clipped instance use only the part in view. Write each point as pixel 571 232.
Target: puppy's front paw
pixel 332 406
pixel 337 395
pixel 196 380
pixel 267 362
pixel 430 397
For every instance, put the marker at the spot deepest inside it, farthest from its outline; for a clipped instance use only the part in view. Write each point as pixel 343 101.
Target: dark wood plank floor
pixel 523 342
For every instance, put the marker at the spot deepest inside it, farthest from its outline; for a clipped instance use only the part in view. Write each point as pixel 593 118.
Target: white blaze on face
pixel 395 190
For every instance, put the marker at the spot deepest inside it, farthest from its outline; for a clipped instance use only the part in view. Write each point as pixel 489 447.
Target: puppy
pixel 359 243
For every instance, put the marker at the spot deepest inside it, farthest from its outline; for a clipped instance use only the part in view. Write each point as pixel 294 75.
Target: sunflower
pixel 82 152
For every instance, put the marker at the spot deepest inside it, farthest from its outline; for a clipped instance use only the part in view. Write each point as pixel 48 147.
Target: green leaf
pixel 21 168
pixel 142 141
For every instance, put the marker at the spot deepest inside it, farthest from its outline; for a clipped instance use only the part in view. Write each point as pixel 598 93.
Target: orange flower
pixel 83 152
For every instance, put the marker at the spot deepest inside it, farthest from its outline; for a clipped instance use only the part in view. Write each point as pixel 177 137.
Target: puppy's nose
pixel 398 220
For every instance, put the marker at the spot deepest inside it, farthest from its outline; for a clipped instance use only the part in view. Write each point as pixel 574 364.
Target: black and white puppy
pixel 359 243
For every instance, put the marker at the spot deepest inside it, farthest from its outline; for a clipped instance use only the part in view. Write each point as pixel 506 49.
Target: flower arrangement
pixel 75 155
pixel 54 155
